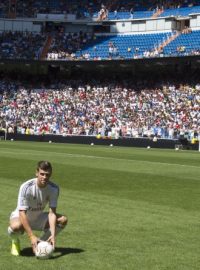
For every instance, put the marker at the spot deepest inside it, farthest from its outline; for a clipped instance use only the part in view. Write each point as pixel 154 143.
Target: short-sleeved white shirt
pixel 34 199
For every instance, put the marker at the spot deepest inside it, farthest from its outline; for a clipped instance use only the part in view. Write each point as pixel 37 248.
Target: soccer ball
pixel 44 250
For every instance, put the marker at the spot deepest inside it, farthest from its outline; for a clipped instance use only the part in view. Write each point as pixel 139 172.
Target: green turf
pixel 128 208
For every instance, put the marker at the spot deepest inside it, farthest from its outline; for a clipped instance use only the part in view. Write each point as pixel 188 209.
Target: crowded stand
pixel 64 45
pixel 21 45
pixel 109 109
pixel 3 8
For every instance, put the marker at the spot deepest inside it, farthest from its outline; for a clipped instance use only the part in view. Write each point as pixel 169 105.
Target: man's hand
pixel 34 241
pixel 52 240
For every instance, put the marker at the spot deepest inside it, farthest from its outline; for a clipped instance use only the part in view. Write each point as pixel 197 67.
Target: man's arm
pixel 52 225
pixel 23 218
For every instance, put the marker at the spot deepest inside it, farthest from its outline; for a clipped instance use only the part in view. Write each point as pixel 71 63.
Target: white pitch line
pixel 121 159
pixel 107 158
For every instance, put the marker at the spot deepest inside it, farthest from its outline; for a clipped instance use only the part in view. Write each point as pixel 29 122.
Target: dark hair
pixel 44 165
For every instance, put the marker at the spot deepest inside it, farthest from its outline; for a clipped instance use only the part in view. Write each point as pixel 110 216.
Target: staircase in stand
pixel 157 13
pixel 169 40
pixel 46 47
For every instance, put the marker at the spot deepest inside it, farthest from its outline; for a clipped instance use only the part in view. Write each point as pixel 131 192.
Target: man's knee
pixel 16 225
pixel 62 220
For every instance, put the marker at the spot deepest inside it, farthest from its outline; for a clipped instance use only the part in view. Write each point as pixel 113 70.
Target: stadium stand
pixel 182 11
pixel 86 47
pixel 84 9
pixel 108 109
pixel 124 46
pixel 64 45
pixel 120 15
pixel 185 44
pixel 3 8
pixel 21 45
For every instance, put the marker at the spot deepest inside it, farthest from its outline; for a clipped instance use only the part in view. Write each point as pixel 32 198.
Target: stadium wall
pixel 19 25
pixel 145 25
pixel 129 142
pixel 139 26
pixel 195 22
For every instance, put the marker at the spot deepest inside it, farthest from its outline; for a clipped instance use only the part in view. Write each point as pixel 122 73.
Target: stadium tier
pixel 117 9
pixel 87 47
pixel 141 46
pixel 127 109
pixel 123 46
pixel 121 15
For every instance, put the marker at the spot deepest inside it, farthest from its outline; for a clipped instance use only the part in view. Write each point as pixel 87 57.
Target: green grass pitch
pixel 128 208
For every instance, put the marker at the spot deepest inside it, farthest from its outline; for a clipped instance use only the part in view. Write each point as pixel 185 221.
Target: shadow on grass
pixel 59 252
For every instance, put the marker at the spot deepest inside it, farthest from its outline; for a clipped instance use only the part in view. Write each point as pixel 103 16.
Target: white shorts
pixel 37 222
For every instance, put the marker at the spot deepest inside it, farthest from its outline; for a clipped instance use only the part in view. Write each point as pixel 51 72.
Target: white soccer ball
pixel 44 250
pixel 148 147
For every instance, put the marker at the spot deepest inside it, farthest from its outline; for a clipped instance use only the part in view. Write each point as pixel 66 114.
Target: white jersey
pixel 34 199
